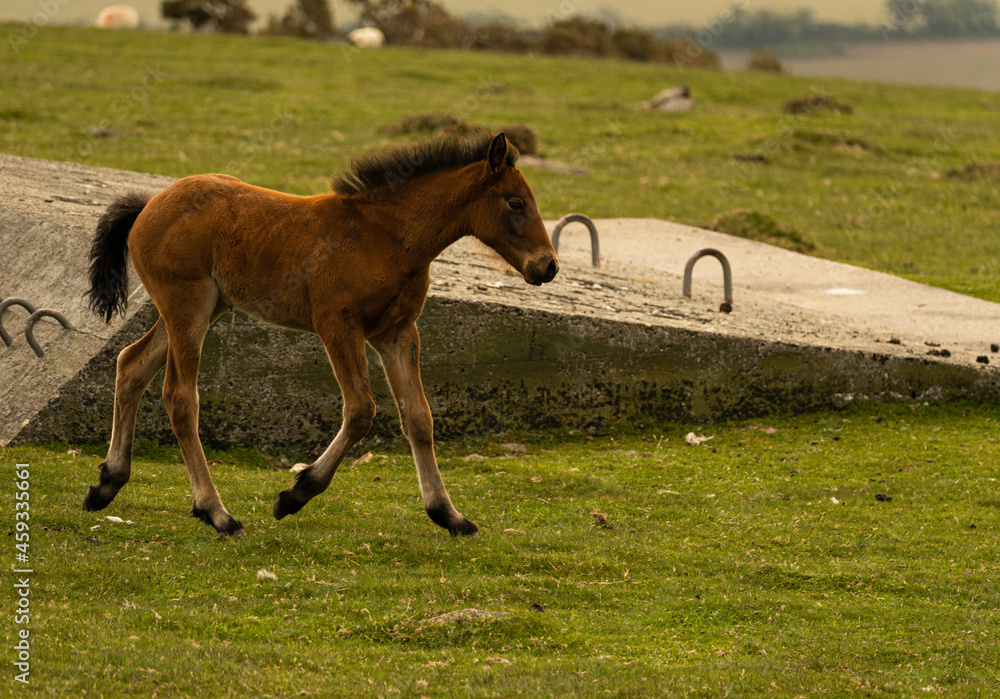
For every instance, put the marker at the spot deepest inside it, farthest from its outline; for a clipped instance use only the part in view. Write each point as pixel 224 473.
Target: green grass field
pixel 870 188
pixel 761 563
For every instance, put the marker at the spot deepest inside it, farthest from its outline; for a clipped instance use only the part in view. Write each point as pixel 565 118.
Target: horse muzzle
pixel 541 271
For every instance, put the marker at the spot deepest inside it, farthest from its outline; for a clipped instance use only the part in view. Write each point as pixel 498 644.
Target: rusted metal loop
pixel 29 327
pixel 4 305
pixel 727 276
pixel 595 249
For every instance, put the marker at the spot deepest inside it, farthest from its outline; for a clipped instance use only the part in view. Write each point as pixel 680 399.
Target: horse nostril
pixel 550 271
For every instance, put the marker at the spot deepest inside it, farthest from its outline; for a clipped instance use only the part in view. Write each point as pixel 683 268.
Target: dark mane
pixel 386 167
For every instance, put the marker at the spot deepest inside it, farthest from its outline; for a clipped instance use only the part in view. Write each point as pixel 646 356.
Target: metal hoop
pixel 727 276
pixel 595 250
pixel 29 328
pixel 4 305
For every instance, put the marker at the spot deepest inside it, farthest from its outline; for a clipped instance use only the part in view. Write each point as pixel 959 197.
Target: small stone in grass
pixel 264 574
pixel 362 460
pixel 696 439
pixel 882 497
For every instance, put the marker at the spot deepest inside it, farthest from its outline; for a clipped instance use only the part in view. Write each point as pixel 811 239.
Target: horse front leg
pixel 400 353
pixel 346 350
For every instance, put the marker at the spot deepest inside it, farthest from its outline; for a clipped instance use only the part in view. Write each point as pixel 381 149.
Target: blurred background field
pixel 907 182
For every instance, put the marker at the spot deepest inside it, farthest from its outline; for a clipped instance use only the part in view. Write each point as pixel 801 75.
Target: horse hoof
pixel 464 528
pixel 94 501
pixel 229 524
pixel 232 528
pixel 445 516
pixel 288 503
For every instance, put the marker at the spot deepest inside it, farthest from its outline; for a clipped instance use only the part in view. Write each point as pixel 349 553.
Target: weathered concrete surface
pixel 873 304
pixel 47 218
pixel 591 347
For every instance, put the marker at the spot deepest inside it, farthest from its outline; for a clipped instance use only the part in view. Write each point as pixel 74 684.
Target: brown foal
pixel 351 266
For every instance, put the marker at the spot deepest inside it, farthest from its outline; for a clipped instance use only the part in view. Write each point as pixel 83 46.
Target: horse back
pixel 254 243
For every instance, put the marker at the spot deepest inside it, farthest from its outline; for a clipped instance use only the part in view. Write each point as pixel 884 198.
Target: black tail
pixel 108 274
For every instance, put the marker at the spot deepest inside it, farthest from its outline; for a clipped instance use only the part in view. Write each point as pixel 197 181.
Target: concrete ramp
pixel 592 347
pixel 47 220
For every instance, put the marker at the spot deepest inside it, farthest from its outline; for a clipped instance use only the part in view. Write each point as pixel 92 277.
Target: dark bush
pixel 763 61
pixel 978 172
pixel 754 225
pixel 426 23
pixel 430 123
pixel 521 135
pixel 684 53
pixel 309 19
pixel 812 104
pixel 497 35
pixel 637 44
pixel 577 36
pixel 226 16
pixel 414 23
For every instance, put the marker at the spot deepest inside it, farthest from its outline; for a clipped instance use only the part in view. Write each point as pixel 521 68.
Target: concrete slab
pixel 592 347
pixel 47 218
pixel 881 306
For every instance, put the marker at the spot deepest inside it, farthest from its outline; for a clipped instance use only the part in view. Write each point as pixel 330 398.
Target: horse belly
pixel 260 293
pixel 265 270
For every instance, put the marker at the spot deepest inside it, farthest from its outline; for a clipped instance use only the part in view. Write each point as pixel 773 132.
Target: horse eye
pixel 515 204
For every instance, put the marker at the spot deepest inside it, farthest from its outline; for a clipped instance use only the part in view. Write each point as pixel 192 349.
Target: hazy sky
pixel 645 12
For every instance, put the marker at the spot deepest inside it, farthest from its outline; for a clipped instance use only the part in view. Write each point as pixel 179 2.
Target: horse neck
pixel 429 213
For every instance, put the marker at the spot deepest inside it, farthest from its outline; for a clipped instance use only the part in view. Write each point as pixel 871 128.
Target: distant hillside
pixel 652 13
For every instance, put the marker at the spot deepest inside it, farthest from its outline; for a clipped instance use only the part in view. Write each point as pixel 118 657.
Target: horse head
pixel 506 217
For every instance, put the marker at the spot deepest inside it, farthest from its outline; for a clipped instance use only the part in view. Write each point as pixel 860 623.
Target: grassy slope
pixel 869 188
pixel 726 570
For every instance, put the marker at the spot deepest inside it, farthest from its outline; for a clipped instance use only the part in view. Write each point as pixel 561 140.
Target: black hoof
pixel 94 500
pixel 233 528
pixel 452 521
pixel 464 528
pixel 229 525
pixel 288 503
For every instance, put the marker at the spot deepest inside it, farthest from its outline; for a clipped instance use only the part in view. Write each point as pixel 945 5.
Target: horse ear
pixel 498 152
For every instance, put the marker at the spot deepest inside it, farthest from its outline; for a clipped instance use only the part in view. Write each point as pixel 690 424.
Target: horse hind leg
pixel 186 327
pixel 137 365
